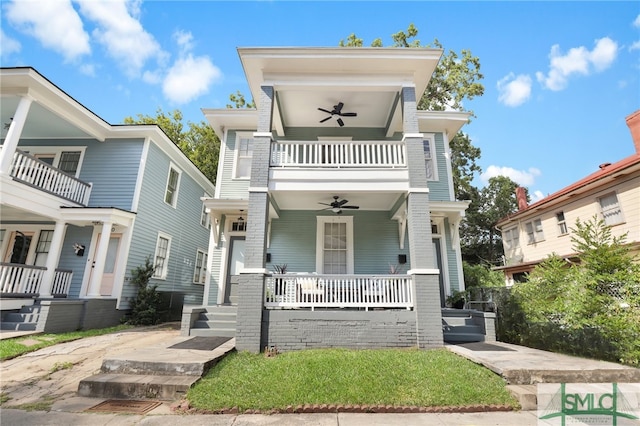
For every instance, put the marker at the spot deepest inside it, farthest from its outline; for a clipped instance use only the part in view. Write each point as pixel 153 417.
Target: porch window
pixel 611 212
pixel 562 224
pixel 69 161
pixel 200 270
pixel 335 251
pixel 534 231
pixel 173 181
pixel 162 255
pixel 63 158
pixel 42 248
pixel 429 159
pixel 511 238
pixel 244 153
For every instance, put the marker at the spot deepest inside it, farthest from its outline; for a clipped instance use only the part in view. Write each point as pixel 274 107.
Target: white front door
pixel 106 284
pixel 334 247
pixel 236 264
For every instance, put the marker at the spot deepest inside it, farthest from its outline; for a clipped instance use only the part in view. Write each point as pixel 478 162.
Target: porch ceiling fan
pixel 337 110
pixel 337 206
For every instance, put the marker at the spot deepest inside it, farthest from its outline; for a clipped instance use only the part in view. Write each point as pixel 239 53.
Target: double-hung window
pixel 610 208
pixel 161 258
pixel 244 154
pixel 562 223
pixel 511 238
pixel 173 184
pixel 200 271
pixel 429 159
pixel 42 248
pixel 534 231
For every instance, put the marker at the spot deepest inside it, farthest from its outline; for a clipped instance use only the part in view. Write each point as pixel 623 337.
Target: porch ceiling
pixel 13 214
pixel 290 200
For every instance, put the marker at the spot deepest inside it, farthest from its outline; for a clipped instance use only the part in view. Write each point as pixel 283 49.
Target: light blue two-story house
pixel 337 178
pixel 83 202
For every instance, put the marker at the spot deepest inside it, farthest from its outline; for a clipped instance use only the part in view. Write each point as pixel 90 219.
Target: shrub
pixel 145 307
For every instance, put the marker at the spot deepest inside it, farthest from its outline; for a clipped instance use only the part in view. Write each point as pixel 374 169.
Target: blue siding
pixel 230 187
pixel 439 189
pixel 452 260
pixel 181 223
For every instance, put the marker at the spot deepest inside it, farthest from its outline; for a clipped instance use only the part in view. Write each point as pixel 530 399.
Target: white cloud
pixel 55 24
pixel 536 196
pixel 88 69
pixel 635 45
pixel 514 90
pixel 184 40
pixel 578 60
pixel 188 78
pixel 636 22
pixel 8 45
pixel 522 177
pixel 120 32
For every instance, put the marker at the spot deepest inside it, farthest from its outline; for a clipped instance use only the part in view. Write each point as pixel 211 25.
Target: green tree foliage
pixel 590 308
pixel 145 307
pixel 199 143
pixel 481 276
pixel 481 241
pixel 238 101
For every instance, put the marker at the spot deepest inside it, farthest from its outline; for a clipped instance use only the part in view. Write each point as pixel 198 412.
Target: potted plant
pixel 280 282
pixel 456 300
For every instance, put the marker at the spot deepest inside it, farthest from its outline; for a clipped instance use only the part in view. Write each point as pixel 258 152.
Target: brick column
pixel 423 272
pixel 251 281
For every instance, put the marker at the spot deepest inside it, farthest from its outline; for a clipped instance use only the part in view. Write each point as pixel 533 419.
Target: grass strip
pixel 398 377
pixel 11 348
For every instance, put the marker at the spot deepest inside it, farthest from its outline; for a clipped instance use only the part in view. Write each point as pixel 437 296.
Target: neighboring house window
pixel 42 248
pixel 205 219
pixel 511 238
pixel 429 159
pixel 611 212
pixel 335 241
pixel 173 182
pixel 200 271
pixel 562 224
pixel 244 153
pixel 162 256
pixel 534 231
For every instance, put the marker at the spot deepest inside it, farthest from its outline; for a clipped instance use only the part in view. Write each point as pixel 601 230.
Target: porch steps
pixel 458 327
pixel 216 321
pixel 24 320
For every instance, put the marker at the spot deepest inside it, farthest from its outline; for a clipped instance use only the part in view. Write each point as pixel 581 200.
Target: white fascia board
pixel 221 206
pixel 449 122
pixel 85 215
pixel 223 119
pixel 449 206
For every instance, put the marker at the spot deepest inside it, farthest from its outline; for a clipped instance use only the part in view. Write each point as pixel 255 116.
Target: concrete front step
pixel 456 321
pixel 156 368
pixel 127 386
pixel 533 376
pixel 211 332
pixel 18 326
pixel 453 337
pixel 527 396
pixel 217 316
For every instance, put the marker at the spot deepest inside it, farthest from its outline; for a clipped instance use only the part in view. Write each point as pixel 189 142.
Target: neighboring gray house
pixel 84 202
pixel 338 176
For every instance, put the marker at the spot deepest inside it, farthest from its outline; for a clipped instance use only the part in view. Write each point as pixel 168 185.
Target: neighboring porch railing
pixel 28 169
pixel 19 279
pixel 338 154
pixel 338 291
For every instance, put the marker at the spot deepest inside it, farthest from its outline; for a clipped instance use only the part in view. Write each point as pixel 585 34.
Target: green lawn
pixel 11 348
pixel 399 377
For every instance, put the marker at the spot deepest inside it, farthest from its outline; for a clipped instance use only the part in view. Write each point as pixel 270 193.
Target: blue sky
pixel 559 77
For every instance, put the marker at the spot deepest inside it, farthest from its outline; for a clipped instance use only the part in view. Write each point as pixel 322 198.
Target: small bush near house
pixel 589 309
pixel 145 308
pixel 481 276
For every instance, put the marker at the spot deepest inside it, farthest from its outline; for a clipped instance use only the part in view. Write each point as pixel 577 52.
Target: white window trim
pixel 174 201
pixel 204 214
pixel 618 206
pixel 430 137
pixel 56 151
pixel 236 155
pixel 320 240
pixel 204 266
pixel 562 224
pixel 168 256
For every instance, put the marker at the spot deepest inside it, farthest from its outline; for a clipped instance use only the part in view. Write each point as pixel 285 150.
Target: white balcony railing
pixel 19 279
pixel 338 291
pixel 338 154
pixel 28 169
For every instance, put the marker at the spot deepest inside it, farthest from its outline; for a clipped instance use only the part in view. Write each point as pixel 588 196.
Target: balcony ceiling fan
pixel 337 110
pixel 337 206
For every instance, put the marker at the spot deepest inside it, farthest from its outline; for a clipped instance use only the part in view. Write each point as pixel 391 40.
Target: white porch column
pixel 14 133
pixel 55 248
pixel 100 257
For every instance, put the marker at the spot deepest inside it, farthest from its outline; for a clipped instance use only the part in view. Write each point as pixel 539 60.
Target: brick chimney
pixel 521 198
pixel 633 121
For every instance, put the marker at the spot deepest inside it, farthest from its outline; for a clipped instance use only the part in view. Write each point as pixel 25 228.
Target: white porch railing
pixel 61 282
pixel 338 154
pixel 28 169
pixel 338 291
pixel 18 279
